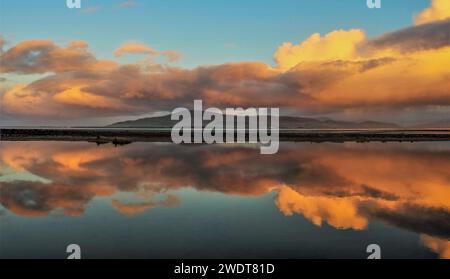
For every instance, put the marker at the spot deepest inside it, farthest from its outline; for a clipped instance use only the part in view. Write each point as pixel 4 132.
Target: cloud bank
pixel 337 72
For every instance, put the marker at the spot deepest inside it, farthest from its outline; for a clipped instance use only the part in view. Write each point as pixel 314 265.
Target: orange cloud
pixel 77 159
pixel 131 208
pixel 136 48
pixel 340 72
pixel 438 10
pixel 43 56
pixel 419 79
pixel 140 207
pixel 336 45
pixel 340 213
pixel 75 96
pixel 438 245
pixel 20 100
pixel 139 48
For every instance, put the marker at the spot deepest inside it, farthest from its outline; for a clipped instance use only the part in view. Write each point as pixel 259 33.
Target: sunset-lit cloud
pixel 432 35
pixel 76 96
pixel 438 10
pixel 135 208
pixel 336 45
pixel 340 213
pixel 438 245
pixel 43 56
pixel 339 72
pixel 131 208
pixel 139 48
pixel 135 48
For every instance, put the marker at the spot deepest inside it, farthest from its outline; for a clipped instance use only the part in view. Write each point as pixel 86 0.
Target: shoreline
pixel 121 136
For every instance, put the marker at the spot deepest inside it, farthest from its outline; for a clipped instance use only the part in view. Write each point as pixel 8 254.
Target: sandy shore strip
pixel 121 136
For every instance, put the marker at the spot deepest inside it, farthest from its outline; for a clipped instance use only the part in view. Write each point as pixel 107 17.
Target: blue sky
pixel 205 32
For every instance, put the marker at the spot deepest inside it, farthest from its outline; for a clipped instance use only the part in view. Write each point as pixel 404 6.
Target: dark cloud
pixel 421 37
pixel 375 193
pixel 43 56
pixel 37 199
pixel 428 220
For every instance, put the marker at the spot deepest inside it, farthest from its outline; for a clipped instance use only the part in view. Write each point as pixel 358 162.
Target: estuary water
pixel 160 200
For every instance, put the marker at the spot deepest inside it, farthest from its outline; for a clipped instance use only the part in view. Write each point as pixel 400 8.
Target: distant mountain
pixel 148 122
pixel 286 122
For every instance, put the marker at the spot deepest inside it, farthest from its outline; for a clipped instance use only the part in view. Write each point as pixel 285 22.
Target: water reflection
pixel 345 186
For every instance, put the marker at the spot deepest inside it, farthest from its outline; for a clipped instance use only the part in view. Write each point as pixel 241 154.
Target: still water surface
pixel 159 200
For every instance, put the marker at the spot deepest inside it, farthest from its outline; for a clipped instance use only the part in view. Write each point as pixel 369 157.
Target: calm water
pixel 155 200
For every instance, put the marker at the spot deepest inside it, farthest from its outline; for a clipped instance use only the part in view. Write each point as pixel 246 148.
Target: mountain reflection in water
pixel 377 192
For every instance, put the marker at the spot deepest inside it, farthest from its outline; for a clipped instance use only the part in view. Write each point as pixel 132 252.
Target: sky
pixel 206 32
pixel 116 59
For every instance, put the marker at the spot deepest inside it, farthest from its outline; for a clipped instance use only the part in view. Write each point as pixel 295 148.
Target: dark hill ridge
pixel 286 122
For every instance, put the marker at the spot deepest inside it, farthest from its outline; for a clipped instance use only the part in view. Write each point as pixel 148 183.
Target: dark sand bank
pixel 124 136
